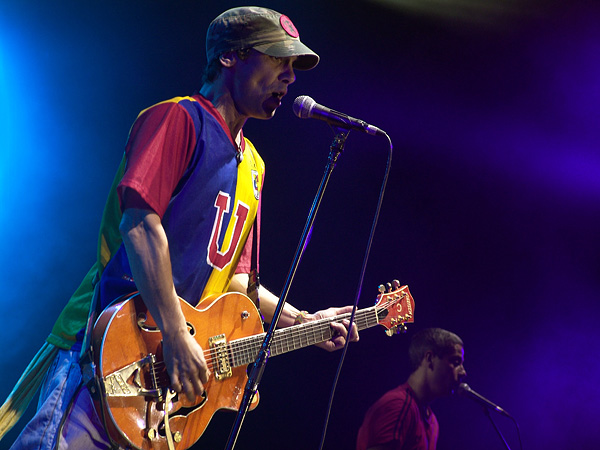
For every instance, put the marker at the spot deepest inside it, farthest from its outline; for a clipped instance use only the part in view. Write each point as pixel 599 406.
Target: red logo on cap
pixel 288 26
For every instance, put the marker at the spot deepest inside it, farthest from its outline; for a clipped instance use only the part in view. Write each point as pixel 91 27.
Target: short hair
pixel 213 68
pixel 437 340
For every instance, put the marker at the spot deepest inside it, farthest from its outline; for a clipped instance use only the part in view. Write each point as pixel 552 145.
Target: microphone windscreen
pixel 463 388
pixel 303 106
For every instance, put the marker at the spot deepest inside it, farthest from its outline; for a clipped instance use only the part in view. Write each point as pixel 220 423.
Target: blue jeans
pixel 82 429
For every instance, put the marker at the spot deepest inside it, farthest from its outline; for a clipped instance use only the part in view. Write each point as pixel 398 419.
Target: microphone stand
pixel 487 413
pixel 257 368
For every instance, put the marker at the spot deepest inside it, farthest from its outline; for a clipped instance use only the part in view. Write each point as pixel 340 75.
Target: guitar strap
pixel 86 357
pixel 254 277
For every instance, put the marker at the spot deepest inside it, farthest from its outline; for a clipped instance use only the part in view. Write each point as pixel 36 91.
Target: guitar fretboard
pixel 244 351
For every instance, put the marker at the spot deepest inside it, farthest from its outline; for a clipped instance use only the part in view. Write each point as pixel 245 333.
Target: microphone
pixel 305 107
pixel 465 389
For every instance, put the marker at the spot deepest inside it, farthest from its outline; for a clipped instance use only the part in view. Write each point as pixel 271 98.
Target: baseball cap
pixel 263 29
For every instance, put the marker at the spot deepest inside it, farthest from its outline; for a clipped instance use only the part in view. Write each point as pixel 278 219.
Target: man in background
pixel 402 418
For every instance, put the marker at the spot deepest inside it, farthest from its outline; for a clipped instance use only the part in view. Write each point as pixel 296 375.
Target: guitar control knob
pixel 177 436
pixel 151 434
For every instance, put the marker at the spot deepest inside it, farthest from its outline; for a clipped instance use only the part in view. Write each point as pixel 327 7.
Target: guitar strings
pixel 243 351
pixel 320 330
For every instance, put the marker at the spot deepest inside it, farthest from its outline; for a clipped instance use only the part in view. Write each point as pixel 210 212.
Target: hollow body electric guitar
pixel 134 399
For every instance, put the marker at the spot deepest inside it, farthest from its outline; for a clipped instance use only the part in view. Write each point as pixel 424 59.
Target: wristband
pixel 301 317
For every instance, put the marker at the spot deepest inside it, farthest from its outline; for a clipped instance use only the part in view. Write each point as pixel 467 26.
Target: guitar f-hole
pixel 182 412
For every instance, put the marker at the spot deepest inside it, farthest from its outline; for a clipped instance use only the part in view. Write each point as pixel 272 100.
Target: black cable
pixel 359 289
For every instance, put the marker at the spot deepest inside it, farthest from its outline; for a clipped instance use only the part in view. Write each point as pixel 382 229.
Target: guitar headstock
pixel 395 307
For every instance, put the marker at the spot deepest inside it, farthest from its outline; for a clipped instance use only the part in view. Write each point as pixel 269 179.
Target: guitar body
pixel 133 387
pixel 134 400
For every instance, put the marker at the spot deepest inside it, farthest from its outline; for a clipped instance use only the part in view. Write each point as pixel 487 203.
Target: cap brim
pixel 307 59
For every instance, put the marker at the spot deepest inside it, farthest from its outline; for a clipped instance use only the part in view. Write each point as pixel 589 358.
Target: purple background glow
pixel 491 214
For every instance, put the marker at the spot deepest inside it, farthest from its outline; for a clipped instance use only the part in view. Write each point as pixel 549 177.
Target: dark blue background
pixel 491 215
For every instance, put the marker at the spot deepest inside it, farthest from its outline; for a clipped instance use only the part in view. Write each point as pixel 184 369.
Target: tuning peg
pixel 396 284
pixel 396 329
pixel 389 287
pixel 382 288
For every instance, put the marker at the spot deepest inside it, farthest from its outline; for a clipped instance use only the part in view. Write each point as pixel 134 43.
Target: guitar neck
pixel 244 350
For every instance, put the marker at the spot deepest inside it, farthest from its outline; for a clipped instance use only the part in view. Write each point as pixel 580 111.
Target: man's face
pixel 260 82
pixel 448 371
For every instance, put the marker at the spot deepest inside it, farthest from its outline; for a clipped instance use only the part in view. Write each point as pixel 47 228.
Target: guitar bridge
pixel 127 382
pixel 218 344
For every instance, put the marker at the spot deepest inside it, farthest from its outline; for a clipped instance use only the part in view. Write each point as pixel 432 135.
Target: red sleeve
pixel 160 146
